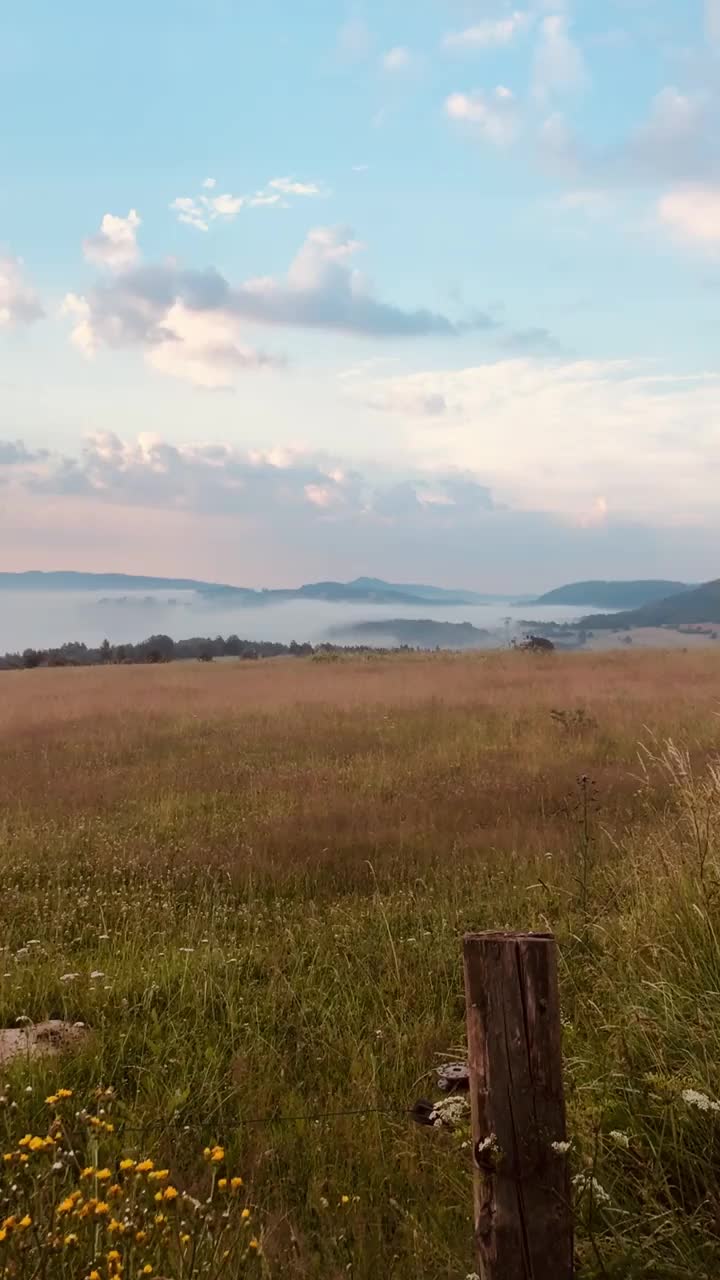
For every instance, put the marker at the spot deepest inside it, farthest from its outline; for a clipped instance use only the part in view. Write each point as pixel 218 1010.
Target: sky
pixel 420 289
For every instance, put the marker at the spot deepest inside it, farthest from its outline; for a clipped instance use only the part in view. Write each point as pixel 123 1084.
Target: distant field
pixel 268 867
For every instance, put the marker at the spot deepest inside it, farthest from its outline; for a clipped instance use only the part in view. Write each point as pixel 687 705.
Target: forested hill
pixel 613 595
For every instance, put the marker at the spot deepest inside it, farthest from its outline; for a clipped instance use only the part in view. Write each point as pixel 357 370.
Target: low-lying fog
pixel 45 619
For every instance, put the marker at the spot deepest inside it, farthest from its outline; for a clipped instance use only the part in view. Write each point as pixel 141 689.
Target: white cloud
pixel 397 60
pixel 492 115
pixel 559 66
pixel 648 443
pixel 200 211
pixel 693 212
pixel 489 33
pixel 115 244
pixel 189 323
pixel 19 302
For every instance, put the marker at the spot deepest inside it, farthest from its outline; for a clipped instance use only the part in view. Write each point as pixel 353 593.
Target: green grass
pixel 276 902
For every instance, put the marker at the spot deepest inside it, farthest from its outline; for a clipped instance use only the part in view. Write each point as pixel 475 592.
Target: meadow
pixel 250 882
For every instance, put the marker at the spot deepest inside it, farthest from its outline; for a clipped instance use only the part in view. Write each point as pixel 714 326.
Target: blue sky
pixel 296 291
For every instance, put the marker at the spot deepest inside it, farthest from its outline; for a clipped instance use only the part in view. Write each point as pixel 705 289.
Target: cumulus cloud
pixel 559 66
pixel 19 303
pixel 13 453
pixel 189 322
pixel 490 32
pixel 201 210
pixel 115 244
pixel 492 116
pixel 693 213
pixel 678 141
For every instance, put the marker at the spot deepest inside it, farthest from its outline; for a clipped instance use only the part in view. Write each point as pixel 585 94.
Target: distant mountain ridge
pixel 614 595
pixel 418 633
pixel 700 604
pixel 362 590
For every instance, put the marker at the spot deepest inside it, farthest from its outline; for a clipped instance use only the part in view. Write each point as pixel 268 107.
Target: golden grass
pixel 271 866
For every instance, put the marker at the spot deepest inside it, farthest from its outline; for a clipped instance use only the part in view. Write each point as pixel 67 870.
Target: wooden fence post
pixel 523 1214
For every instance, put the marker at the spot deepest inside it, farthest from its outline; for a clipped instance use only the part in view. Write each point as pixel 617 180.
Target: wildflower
pixel 158 1175
pixel 113 1256
pixel 25 1222
pixel 222 1183
pixel 115 1190
pixel 561 1148
pixel 620 1139
pixel 125 1165
pixel 160 1218
pixel 10 1222
pixel 214 1154
pixel 66 1206
pixel 147 1269
pixel 254 1244
pixel 140 1236
pixel 25 1142
pixel 64 1093
pixel 101 1208
pixel 185 1238
pixel 38 1144
pixel 94 1275
pixel 236 1183
pixel 170 1193
pixel 3 1234
pixel 245 1215
pixel 97 974
pixel 115 1227
pixel 344 1199
pixel 103 1175
pixel 585 1182
pixel 145 1166
pixel 52 1100
pixel 70 1239
pixel 88 1172
pixel 694 1098
pixel 69 977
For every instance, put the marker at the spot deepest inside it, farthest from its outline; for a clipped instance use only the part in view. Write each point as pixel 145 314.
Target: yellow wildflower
pixel 66 1205
pixel 344 1199
pixel 71 1239
pixel 158 1196
pixel 125 1165
pixel 24 1159
pixel 245 1215
pixel 236 1183
pixel 64 1093
pixel 170 1193
pixel 94 1275
pixel 103 1175
pixel 114 1226
pixel 88 1172
pixel 140 1236
pixel 214 1154
pixel 160 1218
pixel 147 1269
pixel 254 1244
pixel 185 1239
pixel 113 1256
pixel 10 1222
pixel 145 1166
pixel 52 1100
pixel 115 1190
pixel 222 1183
pixel 101 1209
pixel 3 1234
pixel 8 1156
pixel 25 1222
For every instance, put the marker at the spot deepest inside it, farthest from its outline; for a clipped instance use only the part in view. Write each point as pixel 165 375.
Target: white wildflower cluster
pixel 694 1098
pixel 620 1139
pixel 451 1112
pixel 561 1148
pixel 585 1182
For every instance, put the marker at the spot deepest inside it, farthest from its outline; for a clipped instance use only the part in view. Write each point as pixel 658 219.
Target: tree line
pixel 162 648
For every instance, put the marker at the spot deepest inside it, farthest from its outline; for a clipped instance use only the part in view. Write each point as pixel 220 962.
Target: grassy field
pixel 250 882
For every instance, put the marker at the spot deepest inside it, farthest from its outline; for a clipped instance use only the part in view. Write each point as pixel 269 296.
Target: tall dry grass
pixel 271 866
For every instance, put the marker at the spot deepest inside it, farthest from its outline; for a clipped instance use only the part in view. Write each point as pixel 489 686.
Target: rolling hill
pixel 361 591
pixel 613 595
pixel 699 604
